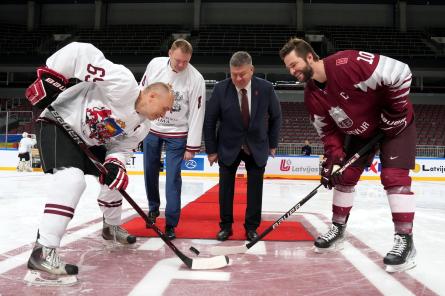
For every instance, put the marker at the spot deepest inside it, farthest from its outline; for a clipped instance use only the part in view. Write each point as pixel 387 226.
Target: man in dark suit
pixel 249 117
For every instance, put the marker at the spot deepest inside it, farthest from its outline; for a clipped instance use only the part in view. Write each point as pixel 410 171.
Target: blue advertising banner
pixel 195 164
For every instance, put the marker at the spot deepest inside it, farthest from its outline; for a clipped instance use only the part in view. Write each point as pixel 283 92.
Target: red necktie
pixel 245 108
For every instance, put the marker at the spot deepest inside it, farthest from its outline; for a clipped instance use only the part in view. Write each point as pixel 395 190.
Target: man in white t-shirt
pixel 180 129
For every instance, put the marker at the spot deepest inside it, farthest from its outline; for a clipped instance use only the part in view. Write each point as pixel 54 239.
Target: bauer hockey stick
pixel 196 263
pixel 221 250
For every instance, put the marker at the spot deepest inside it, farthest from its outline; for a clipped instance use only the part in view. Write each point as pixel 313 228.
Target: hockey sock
pixel 403 205
pixel 343 200
pixel 110 203
pixel 64 191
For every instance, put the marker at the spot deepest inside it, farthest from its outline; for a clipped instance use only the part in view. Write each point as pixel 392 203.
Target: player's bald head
pixel 157 87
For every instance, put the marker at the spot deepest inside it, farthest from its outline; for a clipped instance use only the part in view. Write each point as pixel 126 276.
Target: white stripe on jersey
pixel 390 72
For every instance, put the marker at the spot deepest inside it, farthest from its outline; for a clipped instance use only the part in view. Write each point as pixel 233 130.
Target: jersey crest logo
pixel 102 126
pixel 340 117
pixel 341 61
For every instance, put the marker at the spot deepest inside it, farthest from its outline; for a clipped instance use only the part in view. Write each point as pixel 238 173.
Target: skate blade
pixel 334 248
pixel 116 245
pixel 400 267
pixel 37 278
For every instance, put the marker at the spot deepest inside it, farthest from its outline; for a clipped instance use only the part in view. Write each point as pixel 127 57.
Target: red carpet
pixel 200 219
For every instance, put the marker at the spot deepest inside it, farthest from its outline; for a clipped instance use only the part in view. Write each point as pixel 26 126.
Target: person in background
pixel 25 146
pixel 306 149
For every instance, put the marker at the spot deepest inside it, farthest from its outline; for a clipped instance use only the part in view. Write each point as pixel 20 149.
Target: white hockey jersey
pixel 101 108
pixel 187 115
pixel 26 144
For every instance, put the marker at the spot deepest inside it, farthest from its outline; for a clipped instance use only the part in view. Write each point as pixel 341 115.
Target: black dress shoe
pixel 251 235
pixel 170 232
pixel 152 215
pixel 224 234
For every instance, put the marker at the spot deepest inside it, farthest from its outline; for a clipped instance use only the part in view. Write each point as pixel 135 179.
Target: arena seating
pixel 256 39
pixel 259 40
pixel 383 40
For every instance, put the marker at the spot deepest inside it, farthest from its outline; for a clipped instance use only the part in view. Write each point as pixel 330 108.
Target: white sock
pixel 66 188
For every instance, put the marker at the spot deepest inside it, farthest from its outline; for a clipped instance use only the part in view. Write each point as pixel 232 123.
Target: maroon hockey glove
pixel 48 85
pixel 116 177
pixel 328 167
pixel 393 124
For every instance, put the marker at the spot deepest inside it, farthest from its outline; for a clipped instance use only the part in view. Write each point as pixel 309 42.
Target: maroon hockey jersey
pixel 359 86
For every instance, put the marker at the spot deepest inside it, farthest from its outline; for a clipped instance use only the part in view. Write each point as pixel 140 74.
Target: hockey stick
pixel 197 263
pixel 221 250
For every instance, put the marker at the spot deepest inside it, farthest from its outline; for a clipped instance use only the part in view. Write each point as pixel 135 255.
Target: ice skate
pixel 332 240
pixel 117 234
pixel 402 255
pixel 47 269
pixel 21 166
pixel 28 167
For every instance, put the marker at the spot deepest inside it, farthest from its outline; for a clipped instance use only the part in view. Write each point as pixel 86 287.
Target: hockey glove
pixel 393 124
pixel 329 166
pixel 48 85
pixel 116 177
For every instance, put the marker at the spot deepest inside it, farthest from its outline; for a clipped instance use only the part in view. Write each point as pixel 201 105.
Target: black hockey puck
pixel 194 250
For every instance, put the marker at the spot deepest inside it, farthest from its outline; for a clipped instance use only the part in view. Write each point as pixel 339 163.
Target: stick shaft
pixel 286 215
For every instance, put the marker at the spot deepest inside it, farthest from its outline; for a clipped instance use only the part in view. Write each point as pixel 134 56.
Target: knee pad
pixel 68 185
pixel 395 177
pixel 350 176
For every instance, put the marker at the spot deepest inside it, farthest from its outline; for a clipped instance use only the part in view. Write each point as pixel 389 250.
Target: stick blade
pixel 221 250
pixel 210 263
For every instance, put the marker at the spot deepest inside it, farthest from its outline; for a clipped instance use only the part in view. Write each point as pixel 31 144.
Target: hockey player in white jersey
pixel 109 111
pixel 180 129
pixel 25 146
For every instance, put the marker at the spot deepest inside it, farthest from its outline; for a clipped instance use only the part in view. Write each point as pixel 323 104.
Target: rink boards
pixel 282 166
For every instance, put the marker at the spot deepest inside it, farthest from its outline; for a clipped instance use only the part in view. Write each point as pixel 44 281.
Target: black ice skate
pixel 46 268
pixel 331 240
pixel 401 257
pixel 117 234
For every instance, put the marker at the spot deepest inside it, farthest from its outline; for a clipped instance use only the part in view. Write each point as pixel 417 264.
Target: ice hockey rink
pixel 269 268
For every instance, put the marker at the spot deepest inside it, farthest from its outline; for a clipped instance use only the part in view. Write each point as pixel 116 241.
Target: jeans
pixel 175 149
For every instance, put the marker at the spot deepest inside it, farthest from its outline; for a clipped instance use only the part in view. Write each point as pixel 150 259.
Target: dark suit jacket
pixel 264 126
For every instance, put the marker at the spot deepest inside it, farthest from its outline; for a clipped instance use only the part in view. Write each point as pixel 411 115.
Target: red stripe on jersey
pixel 169 135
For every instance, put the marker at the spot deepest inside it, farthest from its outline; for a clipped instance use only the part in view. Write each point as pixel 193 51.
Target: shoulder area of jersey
pixel 343 58
pixel 159 60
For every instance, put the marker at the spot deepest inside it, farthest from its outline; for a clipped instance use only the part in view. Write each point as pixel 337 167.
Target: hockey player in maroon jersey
pixel 351 96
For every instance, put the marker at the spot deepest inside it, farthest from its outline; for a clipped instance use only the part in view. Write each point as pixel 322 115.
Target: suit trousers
pixel 174 154
pixel 255 176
